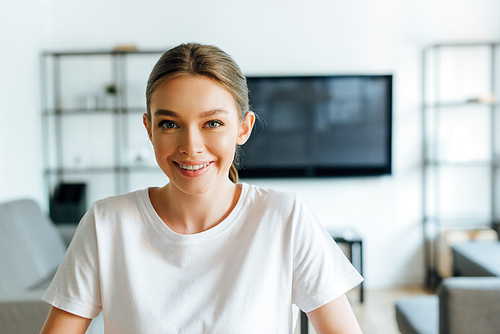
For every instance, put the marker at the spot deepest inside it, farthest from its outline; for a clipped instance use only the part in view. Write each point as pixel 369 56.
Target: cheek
pixel 224 146
pixel 161 147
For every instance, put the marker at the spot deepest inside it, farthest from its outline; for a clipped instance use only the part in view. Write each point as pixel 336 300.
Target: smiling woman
pixel 207 61
pixel 204 253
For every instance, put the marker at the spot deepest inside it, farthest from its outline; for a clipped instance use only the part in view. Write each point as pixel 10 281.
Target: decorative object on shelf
pixel 126 48
pixel 485 99
pixel 142 157
pixel 91 102
pixel 111 91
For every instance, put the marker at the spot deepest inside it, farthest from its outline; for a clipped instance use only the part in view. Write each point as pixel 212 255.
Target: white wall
pixel 21 31
pixel 265 37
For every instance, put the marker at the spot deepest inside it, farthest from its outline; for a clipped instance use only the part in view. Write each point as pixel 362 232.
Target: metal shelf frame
pixel 433 222
pixel 51 74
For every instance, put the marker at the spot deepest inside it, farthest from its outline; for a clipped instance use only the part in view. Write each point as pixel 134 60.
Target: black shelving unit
pixel 448 96
pixel 74 87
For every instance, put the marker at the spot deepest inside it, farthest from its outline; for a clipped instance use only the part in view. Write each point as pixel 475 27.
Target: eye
pixel 214 124
pixel 167 124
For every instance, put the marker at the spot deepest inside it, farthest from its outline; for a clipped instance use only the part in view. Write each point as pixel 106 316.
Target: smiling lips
pixel 192 167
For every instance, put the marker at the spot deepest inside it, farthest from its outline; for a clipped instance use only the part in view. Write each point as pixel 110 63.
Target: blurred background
pixel 265 38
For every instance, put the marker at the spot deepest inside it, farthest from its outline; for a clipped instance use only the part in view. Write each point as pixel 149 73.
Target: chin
pixel 193 187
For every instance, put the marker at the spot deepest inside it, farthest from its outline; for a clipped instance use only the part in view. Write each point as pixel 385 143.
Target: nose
pixel 191 142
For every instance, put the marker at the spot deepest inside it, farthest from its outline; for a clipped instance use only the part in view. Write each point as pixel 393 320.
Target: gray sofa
pixel 463 305
pixel 476 258
pixel 31 248
pixel 469 304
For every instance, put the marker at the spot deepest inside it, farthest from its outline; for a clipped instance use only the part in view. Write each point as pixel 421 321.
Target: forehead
pixel 192 94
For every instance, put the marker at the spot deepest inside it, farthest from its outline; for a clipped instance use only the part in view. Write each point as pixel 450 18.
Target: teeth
pixel 193 167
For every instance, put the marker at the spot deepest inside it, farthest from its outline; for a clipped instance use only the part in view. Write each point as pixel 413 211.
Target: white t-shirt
pixel 241 276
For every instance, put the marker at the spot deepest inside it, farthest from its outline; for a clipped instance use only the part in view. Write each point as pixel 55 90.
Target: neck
pixel 194 213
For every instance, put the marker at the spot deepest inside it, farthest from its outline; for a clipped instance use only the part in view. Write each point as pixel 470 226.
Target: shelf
pixel 462 222
pixel 459 105
pixel 462 44
pixel 92 135
pixel 494 163
pixel 154 168
pixel 100 52
pixel 459 193
pixel 88 170
pixel 78 111
pixel 101 170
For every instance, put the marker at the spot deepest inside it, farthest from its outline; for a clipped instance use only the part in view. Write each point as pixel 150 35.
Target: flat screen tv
pixel 319 126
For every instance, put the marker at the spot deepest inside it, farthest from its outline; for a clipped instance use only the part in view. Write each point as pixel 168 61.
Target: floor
pixel 376 315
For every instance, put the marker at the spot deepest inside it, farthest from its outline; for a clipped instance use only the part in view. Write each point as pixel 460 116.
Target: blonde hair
pixel 208 61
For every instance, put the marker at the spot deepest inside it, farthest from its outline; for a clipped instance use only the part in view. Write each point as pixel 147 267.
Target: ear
pixel 246 128
pixel 147 125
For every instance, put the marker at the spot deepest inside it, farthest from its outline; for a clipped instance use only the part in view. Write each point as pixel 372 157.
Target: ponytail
pixel 233 173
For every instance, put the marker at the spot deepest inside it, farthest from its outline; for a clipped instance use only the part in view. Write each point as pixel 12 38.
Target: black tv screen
pixel 319 126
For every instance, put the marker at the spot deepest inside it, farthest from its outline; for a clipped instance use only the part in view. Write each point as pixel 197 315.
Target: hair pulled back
pixel 204 60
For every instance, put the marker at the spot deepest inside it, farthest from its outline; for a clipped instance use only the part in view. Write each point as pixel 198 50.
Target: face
pixel 195 127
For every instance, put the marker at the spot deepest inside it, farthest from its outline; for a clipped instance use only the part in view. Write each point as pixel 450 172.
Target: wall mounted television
pixel 317 126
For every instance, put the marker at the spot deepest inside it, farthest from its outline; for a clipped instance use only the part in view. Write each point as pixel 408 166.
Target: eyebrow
pixel 213 112
pixel 209 113
pixel 165 112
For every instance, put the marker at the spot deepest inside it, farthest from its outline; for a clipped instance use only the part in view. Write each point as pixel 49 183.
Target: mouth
pixel 197 168
pixel 192 167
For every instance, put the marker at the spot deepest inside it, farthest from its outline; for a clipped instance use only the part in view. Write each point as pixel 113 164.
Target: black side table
pixel 350 237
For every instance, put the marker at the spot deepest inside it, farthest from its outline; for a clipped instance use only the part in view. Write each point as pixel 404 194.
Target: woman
pixel 203 254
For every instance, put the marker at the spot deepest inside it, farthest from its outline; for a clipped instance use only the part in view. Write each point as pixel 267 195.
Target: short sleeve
pixel 75 287
pixel 321 272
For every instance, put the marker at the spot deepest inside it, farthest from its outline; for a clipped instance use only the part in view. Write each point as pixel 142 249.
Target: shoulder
pixel 278 202
pixel 111 216
pixel 119 200
pixel 121 204
pixel 266 194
